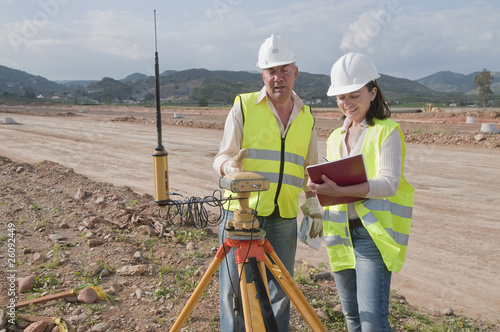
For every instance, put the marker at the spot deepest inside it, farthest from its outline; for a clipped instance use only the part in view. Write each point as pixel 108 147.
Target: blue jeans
pixel 364 291
pixel 282 234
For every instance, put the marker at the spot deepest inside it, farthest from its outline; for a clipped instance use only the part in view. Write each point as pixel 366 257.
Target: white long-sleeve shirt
pixel 387 182
pixel 233 134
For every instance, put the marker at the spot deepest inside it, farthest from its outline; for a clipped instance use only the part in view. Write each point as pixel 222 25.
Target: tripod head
pixel 242 184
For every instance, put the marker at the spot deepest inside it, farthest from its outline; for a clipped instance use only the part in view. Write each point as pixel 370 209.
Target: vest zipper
pixel 282 168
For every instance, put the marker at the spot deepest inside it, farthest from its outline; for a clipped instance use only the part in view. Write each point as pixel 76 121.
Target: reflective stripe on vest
pixel 387 220
pixel 268 154
pixel 292 158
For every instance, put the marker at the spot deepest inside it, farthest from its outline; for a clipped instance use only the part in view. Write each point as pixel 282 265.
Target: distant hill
pixel 74 84
pixel 18 82
pixel 219 87
pixel 108 90
pixel 134 77
pixel 396 88
pixel 447 81
pixel 168 72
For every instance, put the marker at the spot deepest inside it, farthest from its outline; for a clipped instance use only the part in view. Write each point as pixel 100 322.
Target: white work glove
pixel 311 208
pixel 235 164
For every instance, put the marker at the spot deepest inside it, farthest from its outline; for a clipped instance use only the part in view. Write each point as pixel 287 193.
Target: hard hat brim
pixel 275 64
pixel 335 91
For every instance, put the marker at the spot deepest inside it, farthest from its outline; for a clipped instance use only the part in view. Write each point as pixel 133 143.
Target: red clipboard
pixel 344 172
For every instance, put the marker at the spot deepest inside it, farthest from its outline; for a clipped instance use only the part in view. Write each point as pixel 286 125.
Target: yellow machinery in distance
pixel 429 107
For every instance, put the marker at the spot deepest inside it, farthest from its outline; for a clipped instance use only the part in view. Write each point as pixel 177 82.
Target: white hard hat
pixel 275 52
pixel 350 73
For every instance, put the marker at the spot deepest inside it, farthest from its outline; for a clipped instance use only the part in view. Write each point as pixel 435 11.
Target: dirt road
pixel 453 257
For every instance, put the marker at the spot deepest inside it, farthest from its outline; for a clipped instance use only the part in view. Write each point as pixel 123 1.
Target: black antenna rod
pixel 158 102
pixel 160 156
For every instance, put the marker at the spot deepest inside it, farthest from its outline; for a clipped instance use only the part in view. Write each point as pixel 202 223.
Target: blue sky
pixel 72 40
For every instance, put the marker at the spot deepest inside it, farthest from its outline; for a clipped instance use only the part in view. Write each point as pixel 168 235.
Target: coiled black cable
pixel 193 211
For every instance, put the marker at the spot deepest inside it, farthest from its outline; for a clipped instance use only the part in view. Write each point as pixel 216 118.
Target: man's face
pixel 279 81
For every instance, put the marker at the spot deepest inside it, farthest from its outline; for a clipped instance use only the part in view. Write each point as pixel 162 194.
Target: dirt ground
pixel 453 259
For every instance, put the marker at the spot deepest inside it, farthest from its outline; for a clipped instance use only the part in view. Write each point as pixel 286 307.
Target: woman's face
pixel 355 105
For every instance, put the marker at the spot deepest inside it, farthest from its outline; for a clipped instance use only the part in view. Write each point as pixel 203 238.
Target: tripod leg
pixel 292 290
pixel 263 295
pixel 250 303
pixel 188 308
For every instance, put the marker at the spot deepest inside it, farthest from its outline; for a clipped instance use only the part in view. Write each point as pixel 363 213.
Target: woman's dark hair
pixel 379 108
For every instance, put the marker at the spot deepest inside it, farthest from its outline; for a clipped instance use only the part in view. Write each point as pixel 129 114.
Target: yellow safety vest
pixel 386 219
pixel 280 160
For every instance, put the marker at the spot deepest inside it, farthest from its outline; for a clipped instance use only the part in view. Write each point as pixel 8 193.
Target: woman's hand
pixel 329 187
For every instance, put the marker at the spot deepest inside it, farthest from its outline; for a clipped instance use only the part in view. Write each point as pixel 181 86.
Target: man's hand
pixel 312 209
pixel 235 164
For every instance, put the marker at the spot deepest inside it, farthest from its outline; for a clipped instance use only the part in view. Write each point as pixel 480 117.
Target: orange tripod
pixel 251 247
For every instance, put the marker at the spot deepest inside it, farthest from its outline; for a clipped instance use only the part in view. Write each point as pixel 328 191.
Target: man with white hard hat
pixel 269 132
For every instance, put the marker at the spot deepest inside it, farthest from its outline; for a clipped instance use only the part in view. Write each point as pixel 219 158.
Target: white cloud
pixel 405 38
pixel 419 43
pixel 117 34
pixel 368 27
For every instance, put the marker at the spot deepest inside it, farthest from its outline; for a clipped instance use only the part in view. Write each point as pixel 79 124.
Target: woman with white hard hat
pixel 366 240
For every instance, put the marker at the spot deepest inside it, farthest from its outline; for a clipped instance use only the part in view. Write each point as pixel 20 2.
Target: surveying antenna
pixel 175 212
pixel 252 248
pixel 160 156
